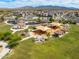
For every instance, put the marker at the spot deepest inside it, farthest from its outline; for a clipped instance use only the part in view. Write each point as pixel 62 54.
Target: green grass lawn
pixel 66 47
pixel 4 28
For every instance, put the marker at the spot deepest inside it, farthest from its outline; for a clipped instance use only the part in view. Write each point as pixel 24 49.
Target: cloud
pixel 20 3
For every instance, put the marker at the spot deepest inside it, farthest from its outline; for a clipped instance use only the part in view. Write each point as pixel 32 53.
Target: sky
pixel 21 3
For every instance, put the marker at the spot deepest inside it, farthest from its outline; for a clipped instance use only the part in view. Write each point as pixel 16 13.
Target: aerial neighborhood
pixel 40 26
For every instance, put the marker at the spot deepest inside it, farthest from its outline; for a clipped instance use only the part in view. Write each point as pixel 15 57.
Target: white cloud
pixel 19 3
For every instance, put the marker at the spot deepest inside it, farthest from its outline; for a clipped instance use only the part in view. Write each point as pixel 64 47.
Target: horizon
pixel 35 3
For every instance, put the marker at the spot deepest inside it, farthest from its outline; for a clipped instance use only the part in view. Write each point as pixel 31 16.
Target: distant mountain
pixel 46 7
pixel 26 7
pixel 55 7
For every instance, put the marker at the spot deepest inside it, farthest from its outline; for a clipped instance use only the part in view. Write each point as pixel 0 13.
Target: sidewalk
pixel 15 30
pixel 5 49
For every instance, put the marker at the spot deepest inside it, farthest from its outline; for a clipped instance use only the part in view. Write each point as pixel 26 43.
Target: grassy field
pixel 4 28
pixel 66 47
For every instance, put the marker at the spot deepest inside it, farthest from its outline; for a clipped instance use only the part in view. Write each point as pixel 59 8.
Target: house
pixel 21 23
pixel 39 35
pixel 77 21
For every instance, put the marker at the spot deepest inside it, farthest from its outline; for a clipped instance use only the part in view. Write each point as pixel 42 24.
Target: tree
pixel 51 20
pixel 1 36
pixel 14 41
pixel 1 19
pixel 39 20
pixel 5 36
pixel 18 16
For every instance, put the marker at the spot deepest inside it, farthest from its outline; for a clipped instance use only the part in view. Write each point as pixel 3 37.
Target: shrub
pixel 51 20
pixel 68 21
pixel 32 27
pixel 14 41
pixel 1 36
pixel 5 36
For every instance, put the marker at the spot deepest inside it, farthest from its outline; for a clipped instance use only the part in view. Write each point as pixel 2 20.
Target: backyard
pixel 66 47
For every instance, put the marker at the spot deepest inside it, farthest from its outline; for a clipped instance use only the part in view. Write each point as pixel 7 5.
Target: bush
pixel 68 21
pixel 26 30
pixel 5 36
pixel 32 27
pixel 14 41
pixel 11 39
pixel 38 20
pixel 1 36
pixel 51 20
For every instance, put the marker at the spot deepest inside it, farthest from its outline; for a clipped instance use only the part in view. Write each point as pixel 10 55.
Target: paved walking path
pixel 7 23
pixel 25 38
pixel 5 50
pixel 15 30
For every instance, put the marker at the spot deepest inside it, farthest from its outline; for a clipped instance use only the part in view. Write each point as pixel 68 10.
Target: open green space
pixel 66 47
pixel 4 28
